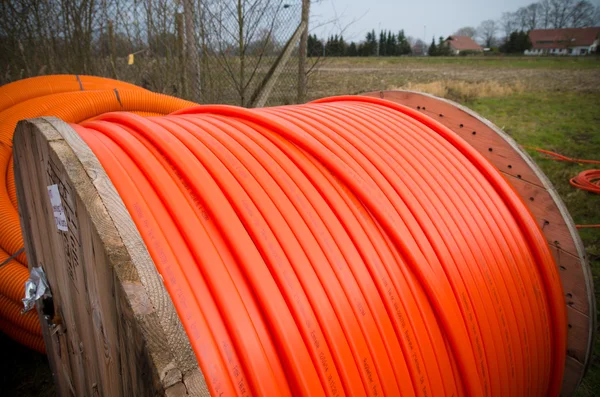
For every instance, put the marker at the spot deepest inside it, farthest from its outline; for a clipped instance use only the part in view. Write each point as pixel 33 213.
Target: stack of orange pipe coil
pixel 350 246
pixel 71 98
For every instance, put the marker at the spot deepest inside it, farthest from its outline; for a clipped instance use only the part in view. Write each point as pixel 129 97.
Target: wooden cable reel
pixel 130 341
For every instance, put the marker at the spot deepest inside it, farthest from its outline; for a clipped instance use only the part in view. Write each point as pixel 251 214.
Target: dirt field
pixel 355 75
pixel 553 103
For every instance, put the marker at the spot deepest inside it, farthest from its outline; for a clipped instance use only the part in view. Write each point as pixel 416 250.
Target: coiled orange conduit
pixel 586 180
pixel 347 247
pixel 74 99
pixel 350 246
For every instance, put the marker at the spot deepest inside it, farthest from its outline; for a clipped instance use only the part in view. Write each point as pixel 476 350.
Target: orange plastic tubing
pixel 350 246
pixel 73 99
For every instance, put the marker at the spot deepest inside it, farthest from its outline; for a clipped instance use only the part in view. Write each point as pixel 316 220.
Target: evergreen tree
pixel 314 46
pixel 433 48
pixel 352 50
pixel 516 43
pixel 443 49
pixel 382 44
pixel 403 44
pixel 391 44
pixel 370 44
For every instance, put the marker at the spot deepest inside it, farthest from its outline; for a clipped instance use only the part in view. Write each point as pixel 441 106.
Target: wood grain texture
pixel 544 203
pixel 114 330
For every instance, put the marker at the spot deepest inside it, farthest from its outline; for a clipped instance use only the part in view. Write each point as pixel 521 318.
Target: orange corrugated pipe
pixel 73 99
pixel 34 342
pixel 11 311
pixel 22 90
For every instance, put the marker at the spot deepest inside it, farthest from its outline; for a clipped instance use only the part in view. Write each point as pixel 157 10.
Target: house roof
pixel 463 43
pixel 562 38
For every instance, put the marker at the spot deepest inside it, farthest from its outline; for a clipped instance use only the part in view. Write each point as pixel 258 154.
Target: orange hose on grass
pixel 588 180
pixel 23 337
pixel 50 96
pixel 346 247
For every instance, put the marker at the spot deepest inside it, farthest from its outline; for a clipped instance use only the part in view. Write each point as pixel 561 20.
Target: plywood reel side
pixel 110 327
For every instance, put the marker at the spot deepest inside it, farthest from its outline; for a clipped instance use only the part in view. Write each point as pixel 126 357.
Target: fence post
pixel 302 52
pixel 181 53
pixel 193 64
pixel 111 48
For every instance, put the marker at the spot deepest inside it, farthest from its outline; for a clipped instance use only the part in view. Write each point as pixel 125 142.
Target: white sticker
pixel 59 213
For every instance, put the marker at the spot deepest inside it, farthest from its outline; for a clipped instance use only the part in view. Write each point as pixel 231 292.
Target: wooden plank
pixel 115 332
pixel 261 95
pixel 570 384
pixel 546 207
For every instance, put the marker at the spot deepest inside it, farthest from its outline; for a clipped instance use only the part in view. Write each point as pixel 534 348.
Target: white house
pixel 572 41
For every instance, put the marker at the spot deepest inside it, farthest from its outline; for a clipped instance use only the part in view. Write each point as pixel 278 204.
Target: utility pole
pixel 424 39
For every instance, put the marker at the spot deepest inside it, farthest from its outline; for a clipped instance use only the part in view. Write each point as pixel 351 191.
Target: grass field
pixel 552 103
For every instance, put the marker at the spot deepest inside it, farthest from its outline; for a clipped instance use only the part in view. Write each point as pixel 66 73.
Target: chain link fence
pixel 208 51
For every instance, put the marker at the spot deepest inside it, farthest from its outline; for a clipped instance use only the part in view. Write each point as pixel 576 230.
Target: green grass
pixel 567 123
pixel 519 62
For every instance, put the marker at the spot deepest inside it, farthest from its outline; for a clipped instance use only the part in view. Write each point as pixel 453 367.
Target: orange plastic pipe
pixel 385 255
pixel 25 338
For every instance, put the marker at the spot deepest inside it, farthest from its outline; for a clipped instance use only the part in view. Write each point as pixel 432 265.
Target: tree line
pixel 387 43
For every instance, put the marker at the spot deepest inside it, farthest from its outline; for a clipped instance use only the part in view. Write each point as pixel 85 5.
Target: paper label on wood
pixel 59 212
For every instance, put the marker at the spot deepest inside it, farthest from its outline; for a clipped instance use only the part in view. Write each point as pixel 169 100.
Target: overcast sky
pixel 441 17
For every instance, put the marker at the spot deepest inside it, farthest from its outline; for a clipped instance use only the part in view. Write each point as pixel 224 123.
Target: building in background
pixel 572 41
pixel 460 44
pixel 419 48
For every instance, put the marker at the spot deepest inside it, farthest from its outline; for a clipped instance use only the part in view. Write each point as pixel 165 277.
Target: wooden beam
pixel 261 95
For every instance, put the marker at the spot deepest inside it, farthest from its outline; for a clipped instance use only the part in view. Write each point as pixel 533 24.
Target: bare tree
pixel 545 14
pixel 560 11
pixel 487 32
pixel 596 16
pixel 468 31
pixel 521 18
pixel 582 14
pixel 238 42
pixel 508 23
pixel 532 12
